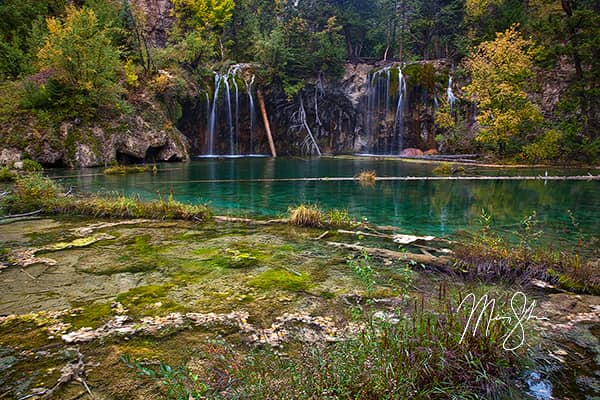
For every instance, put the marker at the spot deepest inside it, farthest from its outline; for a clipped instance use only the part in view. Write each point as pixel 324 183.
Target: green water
pixel 424 207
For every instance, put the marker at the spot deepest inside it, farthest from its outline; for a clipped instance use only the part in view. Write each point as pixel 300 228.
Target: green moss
pixel 328 295
pixel 92 316
pixel 126 169
pixel 149 300
pixel 281 279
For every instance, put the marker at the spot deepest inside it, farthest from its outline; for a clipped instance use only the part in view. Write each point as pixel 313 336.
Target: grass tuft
pixel 126 169
pixel 306 215
pixel 448 169
pixel 36 192
pixel 367 177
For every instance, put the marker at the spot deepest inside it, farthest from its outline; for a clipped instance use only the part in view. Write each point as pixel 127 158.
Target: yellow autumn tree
pixel 500 73
pixel 81 56
pixel 206 14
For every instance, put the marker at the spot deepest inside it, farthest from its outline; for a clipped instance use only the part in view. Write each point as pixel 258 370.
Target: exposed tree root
pixel 73 371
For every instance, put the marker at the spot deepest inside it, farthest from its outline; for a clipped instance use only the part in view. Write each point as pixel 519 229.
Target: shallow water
pixel 421 207
pixel 153 269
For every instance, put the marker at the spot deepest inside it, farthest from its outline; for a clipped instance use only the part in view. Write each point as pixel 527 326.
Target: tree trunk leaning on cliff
pixel 263 111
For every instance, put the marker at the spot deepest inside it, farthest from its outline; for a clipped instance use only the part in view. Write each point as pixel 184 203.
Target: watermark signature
pixel 521 311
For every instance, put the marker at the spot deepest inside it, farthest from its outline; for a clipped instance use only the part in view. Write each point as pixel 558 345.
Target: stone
pixel 9 155
pixel 158 21
pixel 411 152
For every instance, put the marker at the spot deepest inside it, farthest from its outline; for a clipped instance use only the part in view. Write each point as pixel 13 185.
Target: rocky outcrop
pixel 158 20
pixel 146 135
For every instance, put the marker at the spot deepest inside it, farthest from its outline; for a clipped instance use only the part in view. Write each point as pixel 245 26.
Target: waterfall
pixel 227 85
pixel 229 117
pixel 213 116
pixel 207 112
pixel 384 123
pixel 450 93
pixel 237 109
pixel 251 105
pixel 399 120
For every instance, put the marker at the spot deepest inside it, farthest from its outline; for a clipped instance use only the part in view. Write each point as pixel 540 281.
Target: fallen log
pixel 36 212
pixel 397 238
pixel 222 218
pixel 440 262
pixel 263 111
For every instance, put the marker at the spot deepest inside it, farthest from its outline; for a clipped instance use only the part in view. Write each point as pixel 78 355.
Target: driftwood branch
pixel 222 218
pixel 441 262
pixel 22 215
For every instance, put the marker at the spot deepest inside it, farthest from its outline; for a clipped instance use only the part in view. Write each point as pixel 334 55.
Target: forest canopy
pixel 89 54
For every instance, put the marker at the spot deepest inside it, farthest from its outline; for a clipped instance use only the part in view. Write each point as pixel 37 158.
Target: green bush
pixel 545 148
pixel 7 175
pixel 32 166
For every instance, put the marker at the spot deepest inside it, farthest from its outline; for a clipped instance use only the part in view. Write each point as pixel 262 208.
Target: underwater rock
pixel 77 243
pixel 27 257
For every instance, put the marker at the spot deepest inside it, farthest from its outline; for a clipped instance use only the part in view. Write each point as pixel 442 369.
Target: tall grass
pixel 35 192
pixel 419 355
pixel 490 255
pixel 306 215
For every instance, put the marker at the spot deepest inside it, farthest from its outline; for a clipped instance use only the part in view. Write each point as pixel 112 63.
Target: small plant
pixel 339 217
pixel 367 178
pixel 32 166
pixel 306 215
pixel 179 382
pixel 7 175
pixel 362 268
pixel 126 169
pixel 528 234
pixel 448 169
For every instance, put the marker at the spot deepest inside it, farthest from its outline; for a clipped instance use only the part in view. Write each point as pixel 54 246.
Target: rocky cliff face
pixel 373 108
pixel 158 20
pixel 144 135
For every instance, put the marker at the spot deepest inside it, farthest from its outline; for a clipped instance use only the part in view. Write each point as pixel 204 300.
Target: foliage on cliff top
pixel 500 71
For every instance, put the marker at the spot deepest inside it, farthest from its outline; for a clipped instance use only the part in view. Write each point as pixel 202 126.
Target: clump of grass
pixel 340 218
pixel 367 177
pixel 7 175
pixel 418 356
pixel 491 256
pixel 448 169
pixel 32 192
pixel 306 215
pixel 36 192
pixel 281 279
pixel 126 169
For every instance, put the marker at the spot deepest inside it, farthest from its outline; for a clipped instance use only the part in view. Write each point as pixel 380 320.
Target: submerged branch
pixel 441 262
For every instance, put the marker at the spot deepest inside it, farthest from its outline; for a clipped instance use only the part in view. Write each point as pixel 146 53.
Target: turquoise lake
pixel 439 208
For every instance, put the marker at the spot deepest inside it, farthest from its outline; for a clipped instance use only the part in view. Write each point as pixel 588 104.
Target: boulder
pixel 9 155
pixel 411 152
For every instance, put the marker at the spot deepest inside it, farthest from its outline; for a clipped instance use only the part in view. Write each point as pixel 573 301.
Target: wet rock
pixel 9 155
pixel 77 243
pixel 86 157
pixel 159 20
pixel 89 229
pixel 7 362
pixel 27 257
pixel 538 388
pixel 411 152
